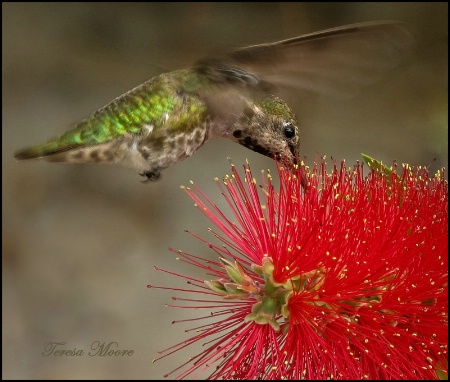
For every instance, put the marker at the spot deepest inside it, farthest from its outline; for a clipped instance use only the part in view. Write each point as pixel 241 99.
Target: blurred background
pixel 80 241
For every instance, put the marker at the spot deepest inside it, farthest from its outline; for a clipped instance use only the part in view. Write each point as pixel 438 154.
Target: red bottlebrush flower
pixel 336 275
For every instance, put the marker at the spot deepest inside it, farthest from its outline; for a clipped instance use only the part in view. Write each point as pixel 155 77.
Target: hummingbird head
pixel 269 127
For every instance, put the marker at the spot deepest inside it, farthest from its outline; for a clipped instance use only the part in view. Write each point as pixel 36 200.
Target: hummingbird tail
pixel 56 151
pixel 42 151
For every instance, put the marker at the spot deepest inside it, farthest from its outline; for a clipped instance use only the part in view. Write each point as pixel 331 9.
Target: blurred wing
pixel 333 62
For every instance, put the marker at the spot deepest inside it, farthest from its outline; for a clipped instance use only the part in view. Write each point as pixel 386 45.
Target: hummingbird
pixel 237 96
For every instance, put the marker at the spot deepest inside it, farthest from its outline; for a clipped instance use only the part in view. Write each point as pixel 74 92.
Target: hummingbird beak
pixel 289 157
pixel 294 152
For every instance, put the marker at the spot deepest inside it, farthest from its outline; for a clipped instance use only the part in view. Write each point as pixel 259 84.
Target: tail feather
pixel 56 151
pixel 45 150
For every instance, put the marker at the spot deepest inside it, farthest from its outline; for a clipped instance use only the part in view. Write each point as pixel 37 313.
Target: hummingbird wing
pixel 332 62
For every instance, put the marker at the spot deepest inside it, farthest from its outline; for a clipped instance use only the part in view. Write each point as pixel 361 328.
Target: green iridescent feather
pixel 146 105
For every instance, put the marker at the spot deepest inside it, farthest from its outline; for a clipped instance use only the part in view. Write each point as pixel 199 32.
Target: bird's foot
pixel 150 175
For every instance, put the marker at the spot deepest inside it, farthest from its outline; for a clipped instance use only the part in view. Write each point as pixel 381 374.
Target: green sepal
pixel 377 165
pixel 257 269
pixel 234 274
pixel 216 286
pixel 233 289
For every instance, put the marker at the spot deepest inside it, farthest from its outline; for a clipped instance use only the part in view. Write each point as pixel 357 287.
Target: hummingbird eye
pixel 289 130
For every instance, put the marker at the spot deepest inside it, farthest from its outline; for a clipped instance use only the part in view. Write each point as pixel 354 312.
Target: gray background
pixel 80 241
